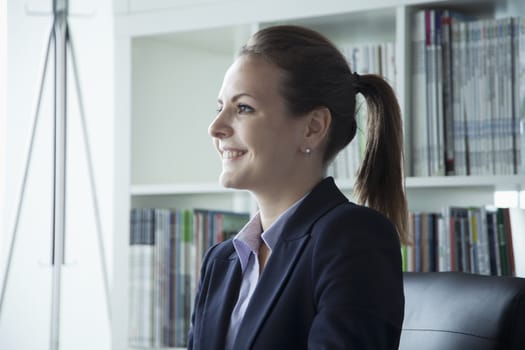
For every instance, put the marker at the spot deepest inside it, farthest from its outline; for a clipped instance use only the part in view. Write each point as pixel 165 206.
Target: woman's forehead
pixel 251 75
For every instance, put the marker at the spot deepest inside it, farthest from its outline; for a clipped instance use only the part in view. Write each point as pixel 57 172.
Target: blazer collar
pixel 321 199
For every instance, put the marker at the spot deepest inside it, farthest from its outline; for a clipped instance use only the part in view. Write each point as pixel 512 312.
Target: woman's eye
pixel 219 109
pixel 242 108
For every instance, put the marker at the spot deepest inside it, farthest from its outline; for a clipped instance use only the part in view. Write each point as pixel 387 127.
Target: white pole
pixel 60 32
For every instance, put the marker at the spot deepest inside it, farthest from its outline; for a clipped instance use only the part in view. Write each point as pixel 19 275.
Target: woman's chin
pixel 228 181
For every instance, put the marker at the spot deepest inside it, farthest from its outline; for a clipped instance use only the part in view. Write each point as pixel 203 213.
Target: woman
pixel 311 269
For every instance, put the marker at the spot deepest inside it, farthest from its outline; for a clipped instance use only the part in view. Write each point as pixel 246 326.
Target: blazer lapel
pixel 224 286
pixel 295 235
pixel 273 279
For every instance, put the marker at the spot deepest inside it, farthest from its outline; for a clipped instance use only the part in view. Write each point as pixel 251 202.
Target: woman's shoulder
pixel 356 214
pixel 354 222
pixel 221 250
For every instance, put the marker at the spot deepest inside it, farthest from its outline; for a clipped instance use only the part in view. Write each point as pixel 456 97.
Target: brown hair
pixel 317 74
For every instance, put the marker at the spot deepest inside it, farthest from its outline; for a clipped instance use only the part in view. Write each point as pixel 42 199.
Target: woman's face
pixel 259 142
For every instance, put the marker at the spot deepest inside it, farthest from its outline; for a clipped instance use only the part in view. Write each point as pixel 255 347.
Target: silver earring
pixel 308 150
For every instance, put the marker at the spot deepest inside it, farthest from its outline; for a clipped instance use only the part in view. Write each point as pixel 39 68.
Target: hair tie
pixel 356 78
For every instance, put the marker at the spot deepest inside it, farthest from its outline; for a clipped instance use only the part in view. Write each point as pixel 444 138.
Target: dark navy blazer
pixel 333 281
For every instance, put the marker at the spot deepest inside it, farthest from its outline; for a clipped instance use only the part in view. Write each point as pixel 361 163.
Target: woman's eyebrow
pixel 236 97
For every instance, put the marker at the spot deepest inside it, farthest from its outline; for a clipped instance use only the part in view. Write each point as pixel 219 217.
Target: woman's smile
pixel 232 154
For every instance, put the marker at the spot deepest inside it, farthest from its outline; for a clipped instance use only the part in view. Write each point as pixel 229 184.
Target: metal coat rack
pixel 60 42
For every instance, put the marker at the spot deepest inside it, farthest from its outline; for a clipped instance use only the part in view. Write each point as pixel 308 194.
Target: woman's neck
pixel 272 205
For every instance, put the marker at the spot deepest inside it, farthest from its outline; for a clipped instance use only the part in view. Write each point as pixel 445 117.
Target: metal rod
pixel 26 170
pixel 59 196
pixel 91 174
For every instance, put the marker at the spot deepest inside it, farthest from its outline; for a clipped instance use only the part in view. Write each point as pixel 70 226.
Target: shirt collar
pixel 248 240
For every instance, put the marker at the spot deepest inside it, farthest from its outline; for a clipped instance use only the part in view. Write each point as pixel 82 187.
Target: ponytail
pixel 380 178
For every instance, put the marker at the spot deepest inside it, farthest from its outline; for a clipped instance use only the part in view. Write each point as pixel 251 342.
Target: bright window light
pixel 508 199
pixel 522 200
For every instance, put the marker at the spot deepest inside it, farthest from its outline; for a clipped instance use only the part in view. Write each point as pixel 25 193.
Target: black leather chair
pixel 459 311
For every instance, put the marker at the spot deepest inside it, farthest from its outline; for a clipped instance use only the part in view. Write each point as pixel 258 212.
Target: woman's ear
pixel 317 127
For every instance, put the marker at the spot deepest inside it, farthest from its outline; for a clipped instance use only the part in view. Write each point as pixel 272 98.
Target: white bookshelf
pixel 495 182
pixel 177 189
pixel 171 57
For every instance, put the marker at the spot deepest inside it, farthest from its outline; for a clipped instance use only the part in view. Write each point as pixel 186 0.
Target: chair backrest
pixel 453 310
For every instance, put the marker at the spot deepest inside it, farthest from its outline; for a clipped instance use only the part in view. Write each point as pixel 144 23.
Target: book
pixel 502 242
pixel 142 293
pixel 409 257
pixel 418 254
pixel 434 82
pixel 443 243
pixel 517 224
pixel 519 93
pixel 448 91
pixel 424 243
pixel 504 91
pixel 419 107
pixel 459 61
pixel 510 244
pixel 495 265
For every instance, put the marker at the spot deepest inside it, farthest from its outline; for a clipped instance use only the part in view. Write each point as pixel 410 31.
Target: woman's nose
pixel 220 126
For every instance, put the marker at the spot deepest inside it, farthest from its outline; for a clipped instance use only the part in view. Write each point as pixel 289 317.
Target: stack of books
pixel 480 240
pixel 468 94
pixel 166 249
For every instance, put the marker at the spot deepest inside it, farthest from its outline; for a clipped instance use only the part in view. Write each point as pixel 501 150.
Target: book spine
pixel 447 74
pixel 431 85
pixel 180 285
pixel 517 224
pixel 425 243
pixel 419 101
pixel 508 238
pixel 173 277
pixel 458 100
pixel 518 114
pixel 440 118
pixel 483 242
pixel 442 244
pixel 502 244
pixel 473 240
pixel 507 94
pixel 411 246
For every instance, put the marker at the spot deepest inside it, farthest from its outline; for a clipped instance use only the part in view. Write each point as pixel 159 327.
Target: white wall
pixel 25 317
pixel 163 108
pixel 3 110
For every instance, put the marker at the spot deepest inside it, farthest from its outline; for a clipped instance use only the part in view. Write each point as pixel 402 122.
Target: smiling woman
pixel 297 275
